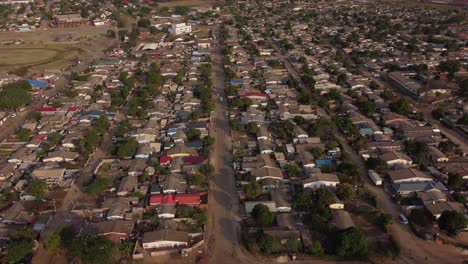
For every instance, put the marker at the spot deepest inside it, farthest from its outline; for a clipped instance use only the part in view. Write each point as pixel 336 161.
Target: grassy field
pixel 187 3
pixel 51 49
pixel 21 56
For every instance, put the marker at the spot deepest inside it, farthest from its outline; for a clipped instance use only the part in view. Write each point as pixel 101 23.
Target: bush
pixel 262 215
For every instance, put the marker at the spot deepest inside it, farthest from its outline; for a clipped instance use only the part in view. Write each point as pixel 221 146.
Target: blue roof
pixel 38 84
pixel 324 162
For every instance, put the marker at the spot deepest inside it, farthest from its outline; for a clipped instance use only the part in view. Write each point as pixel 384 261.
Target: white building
pixel 180 28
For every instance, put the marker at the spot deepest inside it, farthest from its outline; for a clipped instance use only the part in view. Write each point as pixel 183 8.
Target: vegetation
pixel 452 222
pixel 38 189
pixel 352 243
pixel 15 95
pixel 21 245
pixel 262 215
pixel 98 186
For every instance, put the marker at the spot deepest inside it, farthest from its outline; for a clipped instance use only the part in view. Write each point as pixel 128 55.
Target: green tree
pixel 98 186
pixel 198 179
pixel 24 134
pixel 19 250
pixel 455 181
pixel 376 164
pixel 102 125
pixel 292 170
pixel 402 106
pixel 262 215
pixel 52 243
pixel 252 127
pixel 193 134
pixel 38 189
pixel 452 222
pixel 93 249
pixel 185 211
pixel 144 22
pixel 15 95
pixel 352 243
pixel 323 197
pixel 252 190
pixel 268 244
pixel 293 245
pixel 344 192
pixel 206 169
pixel 315 248
pixel 128 149
pixel 91 138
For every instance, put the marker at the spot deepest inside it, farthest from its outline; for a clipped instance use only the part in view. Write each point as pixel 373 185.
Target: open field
pixel 51 49
pixel 187 3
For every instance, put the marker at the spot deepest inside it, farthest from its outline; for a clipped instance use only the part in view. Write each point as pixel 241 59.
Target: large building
pixel 180 28
pixel 69 20
pixel 405 84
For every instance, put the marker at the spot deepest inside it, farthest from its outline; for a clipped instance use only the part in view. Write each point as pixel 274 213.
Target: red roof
pixel 41 137
pixel 254 94
pixel 73 109
pixel 194 159
pixel 164 160
pixel 183 198
pixel 48 109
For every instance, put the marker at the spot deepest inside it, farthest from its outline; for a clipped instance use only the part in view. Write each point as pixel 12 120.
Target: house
pixel 115 231
pixel 406 188
pixel 165 238
pixel 180 150
pixel 17 215
pixel 137 167
pixel 249 206
pixel 116 208
pixel 436 209
pixel 167 211
pixel 408 175
pixel 395 159
pixel 262 133
pixel 127 185
pixel 432 196
pixel 319 180
pixel 192 199
pixel 436 155
pixel 52 176
pixel 306 159
pixel 61 156
pixel 281 200
pixel 341 220
pixel 180 28
pixel 267 173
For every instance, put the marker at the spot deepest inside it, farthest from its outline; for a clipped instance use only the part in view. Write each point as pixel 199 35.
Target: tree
pixel 128 148
pixel 21 245
pixel 293 245
pixel 421 217
pixel 268 244
pixel 323 197
pixel 37 189
pixel 15 95
pixel 452 222
pixel 252 190
pixel 197 179
pixel 102 124
pixel 344 192
pixel 19 250
pixel 24 134
pixel 206 169
pixel 93 249
pixel 144 22
pixel 292 170
pixel 376 164
pixel 91 138
pixel 352 243
pixel 315 248
pixel 262 215
pixel 185 211
pixel 193 134
pixel 437 113
pixel 252 127
pixel 52 243
pixel 342 79
pixel 455 181
pixel 98 186
pixel 402 106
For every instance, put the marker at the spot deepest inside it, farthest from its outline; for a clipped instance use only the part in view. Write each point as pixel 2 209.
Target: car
pixel 403 219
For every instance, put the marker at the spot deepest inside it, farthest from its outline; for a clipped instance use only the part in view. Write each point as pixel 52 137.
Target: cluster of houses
pixel 157 193
pixel 383 135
